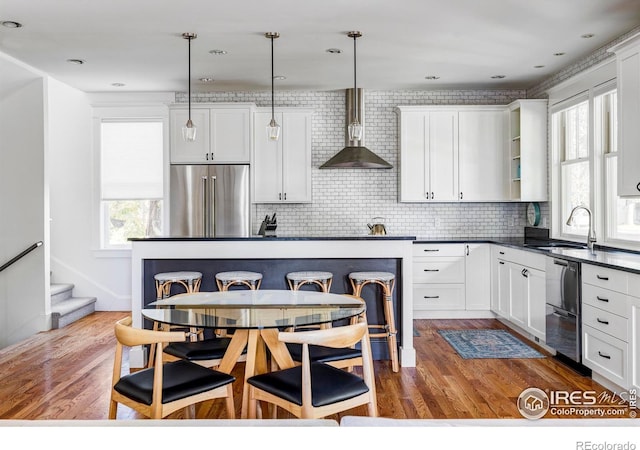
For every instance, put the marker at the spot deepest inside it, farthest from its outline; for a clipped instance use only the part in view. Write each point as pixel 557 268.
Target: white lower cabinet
pixel 606 312
pixel 519 291
pixel 451 280
pixel 634 331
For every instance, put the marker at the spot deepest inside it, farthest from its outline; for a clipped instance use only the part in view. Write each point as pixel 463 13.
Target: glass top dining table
pixel 249 309
pixel 256 318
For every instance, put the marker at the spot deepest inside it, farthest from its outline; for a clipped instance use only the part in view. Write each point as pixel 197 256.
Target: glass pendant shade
pixel 273 130
pixel 189 131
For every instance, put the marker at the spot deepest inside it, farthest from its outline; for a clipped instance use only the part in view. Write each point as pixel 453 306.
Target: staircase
pixel 65 308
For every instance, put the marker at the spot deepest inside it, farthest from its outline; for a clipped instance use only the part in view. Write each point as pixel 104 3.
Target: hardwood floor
pixel 66 374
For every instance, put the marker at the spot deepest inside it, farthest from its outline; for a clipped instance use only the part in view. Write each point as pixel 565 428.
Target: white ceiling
pixel 464 42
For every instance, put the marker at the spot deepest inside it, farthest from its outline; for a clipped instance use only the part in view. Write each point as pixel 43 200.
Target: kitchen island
pixel 274 257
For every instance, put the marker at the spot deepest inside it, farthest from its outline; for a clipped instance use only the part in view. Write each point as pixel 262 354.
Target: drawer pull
pixel 602 278
pixel 502 253
pixel 602 355
pixel 605 322
pixel 431 296
pixel 432 270
pixel 500 262
pixel 431 250
pixel 602 299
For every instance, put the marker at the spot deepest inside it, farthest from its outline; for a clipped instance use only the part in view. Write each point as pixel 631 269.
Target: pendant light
pixel 355 127
pixel 189 129
pixel 273 129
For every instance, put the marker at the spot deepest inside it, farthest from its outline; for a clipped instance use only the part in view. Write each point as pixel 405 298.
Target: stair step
pixel 60 292
pixel 71 309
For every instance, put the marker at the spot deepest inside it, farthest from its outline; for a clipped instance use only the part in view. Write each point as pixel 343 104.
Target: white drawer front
pixel 605 321
pixel 438 270
pixel 611 301
pixel 438 249
pixel 616 280
pixel 434 297
pixel 634 284
pixel 606 355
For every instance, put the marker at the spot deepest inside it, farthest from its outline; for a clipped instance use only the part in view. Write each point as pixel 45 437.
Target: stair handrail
pixel 20 255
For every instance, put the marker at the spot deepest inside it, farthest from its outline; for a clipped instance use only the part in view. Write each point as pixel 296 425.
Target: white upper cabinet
pixel 282 169
pixel 482 150
pixel 628 68
pixel 528 150
pixel 223 134
pixel 428 155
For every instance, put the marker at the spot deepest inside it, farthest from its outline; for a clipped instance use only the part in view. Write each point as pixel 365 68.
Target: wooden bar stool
pixel 250 279
pixel 386 280
pixel 189 280
pixel 322 279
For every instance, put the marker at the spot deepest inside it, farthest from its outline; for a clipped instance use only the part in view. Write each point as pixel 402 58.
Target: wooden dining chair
pixel 315 389
pixel 342 358
pixel 166 387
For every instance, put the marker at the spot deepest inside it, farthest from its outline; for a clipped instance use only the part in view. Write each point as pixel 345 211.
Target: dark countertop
pixel 626 260
pixel 362 237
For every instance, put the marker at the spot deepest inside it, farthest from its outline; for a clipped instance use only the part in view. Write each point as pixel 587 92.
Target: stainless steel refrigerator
pixel 209 200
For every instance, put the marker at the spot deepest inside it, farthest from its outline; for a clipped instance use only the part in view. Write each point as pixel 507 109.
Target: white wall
pixel 24 286
pixel 74 258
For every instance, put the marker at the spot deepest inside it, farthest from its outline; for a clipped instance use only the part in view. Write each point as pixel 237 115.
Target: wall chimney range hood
pixel 355 155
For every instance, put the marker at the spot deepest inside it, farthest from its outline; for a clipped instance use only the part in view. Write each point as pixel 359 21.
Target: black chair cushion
pixel 320 353
pixel 180 379
pixel 198 350
pixel 328 384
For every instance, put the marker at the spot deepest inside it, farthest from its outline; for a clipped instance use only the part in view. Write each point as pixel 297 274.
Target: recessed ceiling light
pixel 539 66
pixel 432 77
pixel 333 50
pixel 497 77
pixel 11 24
pixel 76 61
pixel 279 77
pixel 118 84
pixel 558 54
pixel 218 52
pixel 206 79
pixel 587 36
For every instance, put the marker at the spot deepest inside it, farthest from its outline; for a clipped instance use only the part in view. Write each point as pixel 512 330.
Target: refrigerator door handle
pixel 212 208
pixel 205 209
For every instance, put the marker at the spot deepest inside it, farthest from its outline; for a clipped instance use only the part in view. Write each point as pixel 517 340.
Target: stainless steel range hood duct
pixel 355 155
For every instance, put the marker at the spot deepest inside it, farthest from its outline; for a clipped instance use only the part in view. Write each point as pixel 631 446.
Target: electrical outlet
pixel 436 222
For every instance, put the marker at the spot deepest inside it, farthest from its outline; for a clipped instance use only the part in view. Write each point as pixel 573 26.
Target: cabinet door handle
pixel 285 195
pixel 212 156
pixel 467 249
pixel 604 322
pixel 280 196
pixel 431 296
pixel 638 186
pixel 602 299
pixel 460 195
pixel 207 157
pixel 432 196
pixel 602 355
pixel 426 194
pixel 432 270
pixel 602 278
pixel 525 273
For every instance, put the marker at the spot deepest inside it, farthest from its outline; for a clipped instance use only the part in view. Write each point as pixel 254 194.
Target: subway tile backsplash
pixel 345 200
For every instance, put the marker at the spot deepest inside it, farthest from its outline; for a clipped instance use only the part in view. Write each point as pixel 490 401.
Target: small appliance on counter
pixel 378 228
pixel 268 226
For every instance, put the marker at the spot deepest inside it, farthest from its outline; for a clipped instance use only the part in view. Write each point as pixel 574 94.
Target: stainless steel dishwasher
pixel 563 328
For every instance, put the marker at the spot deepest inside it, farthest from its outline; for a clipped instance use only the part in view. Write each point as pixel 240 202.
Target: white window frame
pixel 124 113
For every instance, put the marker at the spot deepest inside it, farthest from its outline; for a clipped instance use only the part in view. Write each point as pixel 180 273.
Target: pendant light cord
pixel 272 75
pixel 355 86
pixel 189 79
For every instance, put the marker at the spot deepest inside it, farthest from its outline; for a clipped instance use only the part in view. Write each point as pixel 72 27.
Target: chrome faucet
pixel 591 236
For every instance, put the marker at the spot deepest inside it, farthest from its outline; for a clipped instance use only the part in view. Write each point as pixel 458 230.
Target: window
pixel 622 214
pixel 570 129
pixel 131 180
